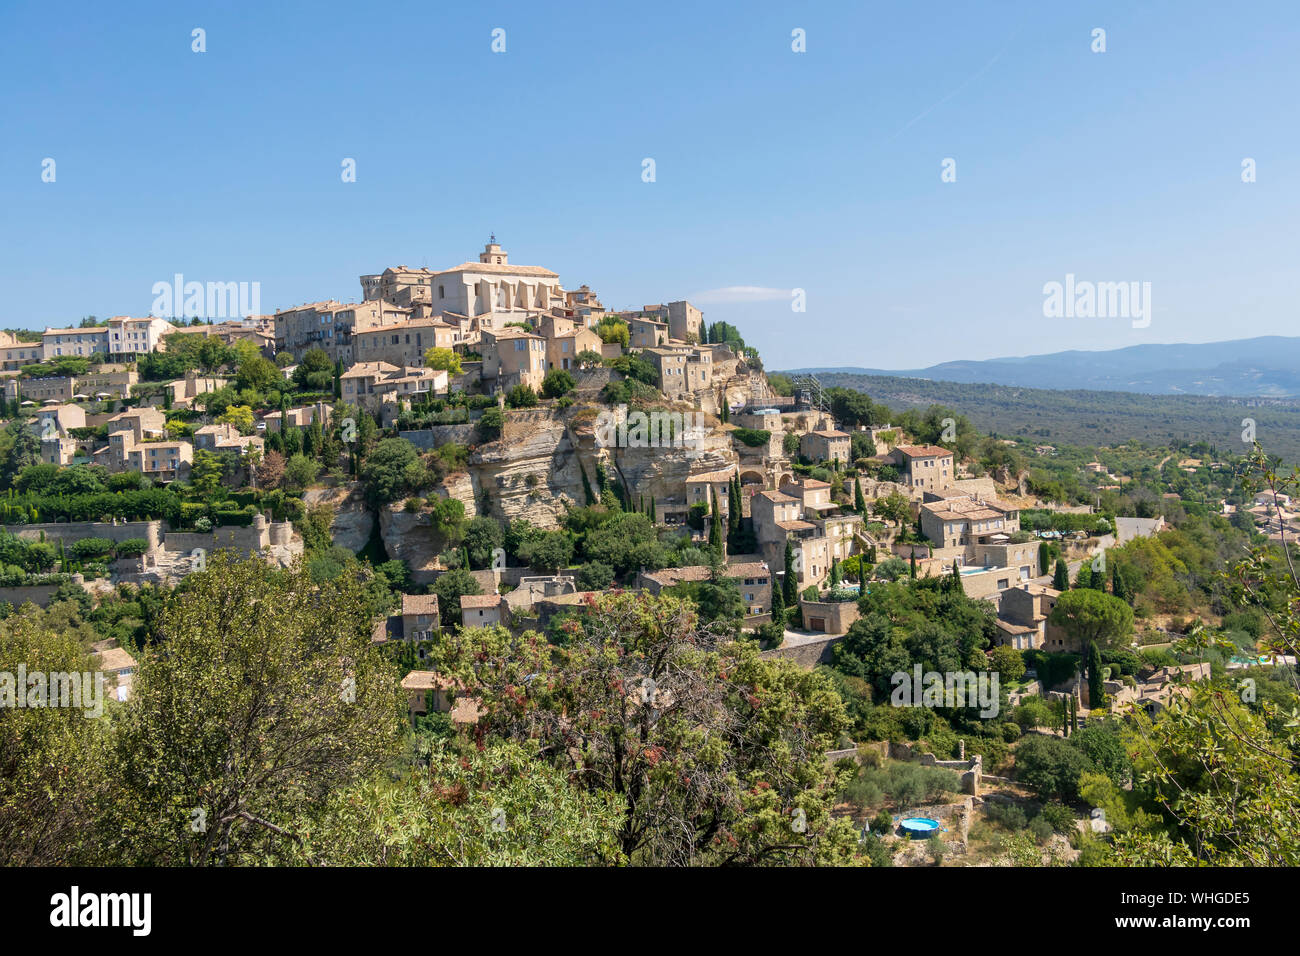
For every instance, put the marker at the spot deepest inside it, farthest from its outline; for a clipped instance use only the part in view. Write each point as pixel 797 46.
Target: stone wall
pixel 38 594
pixel 427 439
pixel 806 655
pixel 72 531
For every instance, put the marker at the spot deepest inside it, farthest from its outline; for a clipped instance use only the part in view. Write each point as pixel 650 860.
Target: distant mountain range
pixel 1268 366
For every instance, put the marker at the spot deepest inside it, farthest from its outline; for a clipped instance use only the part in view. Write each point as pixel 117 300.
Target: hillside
pixel 1268 366
pixel 1088 417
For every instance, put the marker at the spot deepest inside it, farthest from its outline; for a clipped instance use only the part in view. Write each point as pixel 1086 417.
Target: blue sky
pixel 774 170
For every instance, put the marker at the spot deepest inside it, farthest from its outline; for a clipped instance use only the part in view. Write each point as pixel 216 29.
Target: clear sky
pixel 774 170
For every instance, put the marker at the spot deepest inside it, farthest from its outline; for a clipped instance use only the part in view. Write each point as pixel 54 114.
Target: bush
pixel 882 822
pixel 557 382
pixel 753 437
pixel 491 424
pixel 1006 815
pixel 1059 817
pixel 521 396
pixel 1040 830
pixel 1010 732
pixel 131 547
pixel 91 548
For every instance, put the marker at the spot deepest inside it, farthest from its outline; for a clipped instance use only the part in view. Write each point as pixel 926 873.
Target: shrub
pixel 91 547
pixel 557 382
pixel 753 437
pixel 521 396
pixel 1058 816
pixel 491 424
pixel 131 547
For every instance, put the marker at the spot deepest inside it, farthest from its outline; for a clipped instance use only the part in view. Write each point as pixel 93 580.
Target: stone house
pixel 512 356
pixel 924 467
pixel 826 445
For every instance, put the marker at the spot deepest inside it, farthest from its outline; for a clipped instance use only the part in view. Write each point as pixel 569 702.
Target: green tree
pixel 1092 616
pixel 1096 696
pixel 269 698
pixel 206 472
pixel 258 374
pixel 53 766
pixel 1061 580
pixel 790 581
pixel 449 587
pixel 483 535
pixel 446 360
pixel 392 470
pixel 1008 662
pixel 1051 766
pixel 315 372
pixel 715 524
pixel 498 806
pixel 717 755
pixel 557 382
pixel 300 471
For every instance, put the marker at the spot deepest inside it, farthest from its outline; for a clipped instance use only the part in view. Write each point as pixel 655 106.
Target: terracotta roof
pixel 506 270
pixel 667 577
pixel 511 332
pixel 777 497
pixel 427 680
pixel 420 604
pixel 712 476
pixel 923 451
pixel 795 526
pixel 479 600
pixel 115 659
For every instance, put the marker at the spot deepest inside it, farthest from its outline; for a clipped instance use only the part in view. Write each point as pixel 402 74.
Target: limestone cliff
pixel 353 520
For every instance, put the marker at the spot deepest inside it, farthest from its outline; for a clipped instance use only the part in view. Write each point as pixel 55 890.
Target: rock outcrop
pixel 354 522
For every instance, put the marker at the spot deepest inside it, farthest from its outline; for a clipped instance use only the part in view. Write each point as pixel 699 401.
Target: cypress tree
pixel 778 604
pixel 859 501
pixel 653 517
pixel 715 524
pixel 912 567
pixel 733 506
pixel 1095 691
pixel 956 579
pixel 1061 580
pixel 835 573
pixel 791 582
pixel 1044 557
pixel 1119 586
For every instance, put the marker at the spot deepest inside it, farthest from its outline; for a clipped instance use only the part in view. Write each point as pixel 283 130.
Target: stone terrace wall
pixel 806 655
pixel 72 531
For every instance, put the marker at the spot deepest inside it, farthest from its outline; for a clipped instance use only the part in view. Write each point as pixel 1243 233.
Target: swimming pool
pixel 920 826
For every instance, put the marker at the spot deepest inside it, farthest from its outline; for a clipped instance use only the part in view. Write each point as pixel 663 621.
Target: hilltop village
pixel 491 453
